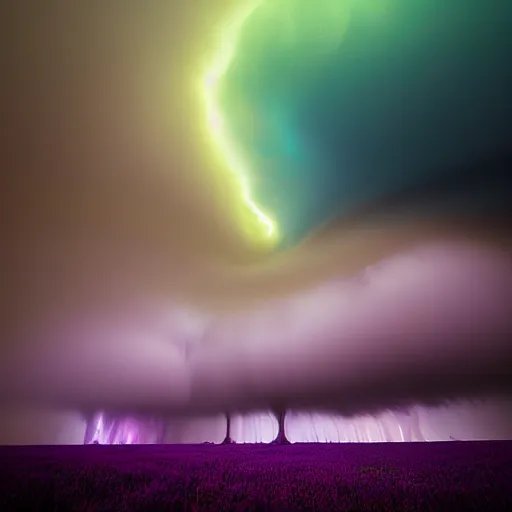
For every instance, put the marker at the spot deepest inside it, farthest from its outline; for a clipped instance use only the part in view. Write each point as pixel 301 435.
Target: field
pixel 302 477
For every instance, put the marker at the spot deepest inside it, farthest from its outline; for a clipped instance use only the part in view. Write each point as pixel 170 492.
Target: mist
pixel 129 286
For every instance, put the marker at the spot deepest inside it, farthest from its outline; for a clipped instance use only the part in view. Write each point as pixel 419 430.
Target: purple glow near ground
pixel 395 476
pixel 258 428
pixel 487 419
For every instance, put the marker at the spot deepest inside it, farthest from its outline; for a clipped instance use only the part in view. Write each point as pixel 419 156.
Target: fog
pixel 128 287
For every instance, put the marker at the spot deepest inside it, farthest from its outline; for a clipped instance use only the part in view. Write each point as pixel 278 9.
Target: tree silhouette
pixel 227 439
pixel 281 432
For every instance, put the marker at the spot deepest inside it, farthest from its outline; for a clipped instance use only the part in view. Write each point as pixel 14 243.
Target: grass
pixel 302 477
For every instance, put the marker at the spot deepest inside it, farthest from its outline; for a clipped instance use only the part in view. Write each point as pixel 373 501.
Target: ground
pixel 447 476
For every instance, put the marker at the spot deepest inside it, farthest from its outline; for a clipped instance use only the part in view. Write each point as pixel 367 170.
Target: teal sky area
pixel 340 104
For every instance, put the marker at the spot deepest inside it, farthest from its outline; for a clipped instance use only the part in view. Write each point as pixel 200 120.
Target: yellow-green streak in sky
pixel 229 154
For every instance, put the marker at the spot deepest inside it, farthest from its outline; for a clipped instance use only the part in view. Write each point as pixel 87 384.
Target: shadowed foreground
pixel 419 476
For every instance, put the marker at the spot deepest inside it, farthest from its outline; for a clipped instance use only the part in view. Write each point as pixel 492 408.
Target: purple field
pixel 321 477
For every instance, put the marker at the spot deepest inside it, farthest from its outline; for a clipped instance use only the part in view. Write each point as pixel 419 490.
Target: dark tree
pixel 281 433
pixel 227 439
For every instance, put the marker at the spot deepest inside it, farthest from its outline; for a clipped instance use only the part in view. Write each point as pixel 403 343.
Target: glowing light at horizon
pixel 114 431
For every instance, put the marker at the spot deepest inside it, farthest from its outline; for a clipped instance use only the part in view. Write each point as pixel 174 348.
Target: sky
pixel 222 176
